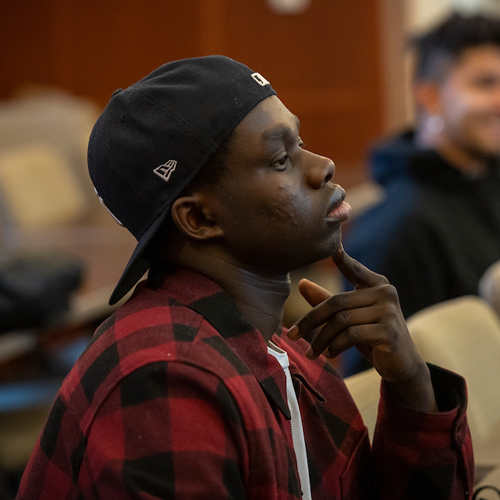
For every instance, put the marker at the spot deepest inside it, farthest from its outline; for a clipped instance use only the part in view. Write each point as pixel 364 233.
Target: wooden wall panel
pixel 324 63
pixel 24 43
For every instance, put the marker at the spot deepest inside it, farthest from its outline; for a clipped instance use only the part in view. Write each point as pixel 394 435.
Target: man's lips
pixel 338 210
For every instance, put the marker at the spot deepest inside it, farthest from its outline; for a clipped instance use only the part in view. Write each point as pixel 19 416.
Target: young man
pixel 438 228
pixel 189 390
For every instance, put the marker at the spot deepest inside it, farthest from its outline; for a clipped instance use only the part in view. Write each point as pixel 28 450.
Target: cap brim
pixel 138 264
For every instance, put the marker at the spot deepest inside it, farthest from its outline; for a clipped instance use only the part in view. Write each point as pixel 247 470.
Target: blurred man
pixel 438 228
pixel 189 391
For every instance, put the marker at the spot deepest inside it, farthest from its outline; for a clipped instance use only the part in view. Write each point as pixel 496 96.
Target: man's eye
pixel 300 143
pixel 486 82
pixel 281 163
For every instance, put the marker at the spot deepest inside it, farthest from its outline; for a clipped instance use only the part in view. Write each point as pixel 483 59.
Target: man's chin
pixel 333 248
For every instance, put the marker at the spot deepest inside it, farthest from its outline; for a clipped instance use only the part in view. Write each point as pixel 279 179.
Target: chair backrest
pixel 44 181
pixel 365 390
pixel 489 286
pixel 38 187
pixel 463 335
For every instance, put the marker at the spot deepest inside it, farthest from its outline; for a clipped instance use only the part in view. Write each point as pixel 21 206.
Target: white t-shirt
pixel 299 443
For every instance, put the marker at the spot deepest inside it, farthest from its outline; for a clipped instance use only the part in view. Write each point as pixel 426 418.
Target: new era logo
pixel 260 79
pixel 165 171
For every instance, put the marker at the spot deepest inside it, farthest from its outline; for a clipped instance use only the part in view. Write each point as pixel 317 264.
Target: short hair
pixel 445 44
pixel 213 170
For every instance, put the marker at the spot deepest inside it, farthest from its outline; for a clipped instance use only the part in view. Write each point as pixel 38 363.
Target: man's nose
pixel 319 170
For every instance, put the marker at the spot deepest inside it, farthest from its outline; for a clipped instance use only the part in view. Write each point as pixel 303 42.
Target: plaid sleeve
pixel 169 430
pixel 421 455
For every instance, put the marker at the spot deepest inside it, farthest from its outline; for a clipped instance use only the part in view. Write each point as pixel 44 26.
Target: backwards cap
pixel 154 137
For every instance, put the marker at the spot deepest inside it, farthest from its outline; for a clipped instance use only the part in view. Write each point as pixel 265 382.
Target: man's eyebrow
pixel 278 132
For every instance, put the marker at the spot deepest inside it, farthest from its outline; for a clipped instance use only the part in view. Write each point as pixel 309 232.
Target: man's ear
pixel 427 97
pixel 194 218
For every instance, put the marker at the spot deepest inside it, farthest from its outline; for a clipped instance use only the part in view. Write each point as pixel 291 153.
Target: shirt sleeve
pixel 422 455
pixel 169 430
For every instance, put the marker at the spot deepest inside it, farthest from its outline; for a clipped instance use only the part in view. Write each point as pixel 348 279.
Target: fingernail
pixel 293 332
pixel 310 352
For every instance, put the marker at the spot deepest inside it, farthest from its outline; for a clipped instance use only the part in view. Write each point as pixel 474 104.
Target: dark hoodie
pixel 437 229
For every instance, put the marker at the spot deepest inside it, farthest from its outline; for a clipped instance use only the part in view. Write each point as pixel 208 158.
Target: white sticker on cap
pixel 260 79
pixel 165 171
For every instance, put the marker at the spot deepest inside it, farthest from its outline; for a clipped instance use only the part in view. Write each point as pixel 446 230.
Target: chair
pixel 365 390
pixel 462 335
pixel 47 202
pixel 38 186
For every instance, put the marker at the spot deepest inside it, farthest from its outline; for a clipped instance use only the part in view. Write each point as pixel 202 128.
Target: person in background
pixel 192 389
pixel 437 228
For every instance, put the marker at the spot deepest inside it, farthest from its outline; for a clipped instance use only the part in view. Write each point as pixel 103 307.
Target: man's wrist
pixel 415 393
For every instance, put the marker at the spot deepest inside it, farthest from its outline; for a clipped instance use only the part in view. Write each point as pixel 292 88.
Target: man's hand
pixel 369 318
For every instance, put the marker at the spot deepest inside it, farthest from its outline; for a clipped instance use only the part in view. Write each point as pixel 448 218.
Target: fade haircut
pixel 212 172
pixel 443 46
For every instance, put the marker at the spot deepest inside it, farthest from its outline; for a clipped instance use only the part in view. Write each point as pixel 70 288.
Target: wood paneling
pixel 324 63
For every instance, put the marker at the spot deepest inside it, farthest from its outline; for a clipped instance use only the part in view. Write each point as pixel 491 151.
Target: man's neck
pixel 470 164
pixel 259 297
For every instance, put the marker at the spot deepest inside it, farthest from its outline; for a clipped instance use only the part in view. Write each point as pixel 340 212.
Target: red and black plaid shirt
pixel 177 397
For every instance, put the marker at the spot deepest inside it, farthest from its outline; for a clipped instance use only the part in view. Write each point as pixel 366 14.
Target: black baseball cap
pixel 154 137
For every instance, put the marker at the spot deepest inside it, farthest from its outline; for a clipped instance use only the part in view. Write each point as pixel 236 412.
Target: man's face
pixel 276 203
pixel 470 102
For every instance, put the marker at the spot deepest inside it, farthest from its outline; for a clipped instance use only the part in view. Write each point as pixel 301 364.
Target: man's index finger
pixel 355 272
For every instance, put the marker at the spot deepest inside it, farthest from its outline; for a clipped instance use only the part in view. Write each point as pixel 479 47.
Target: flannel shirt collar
pixel 207 298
